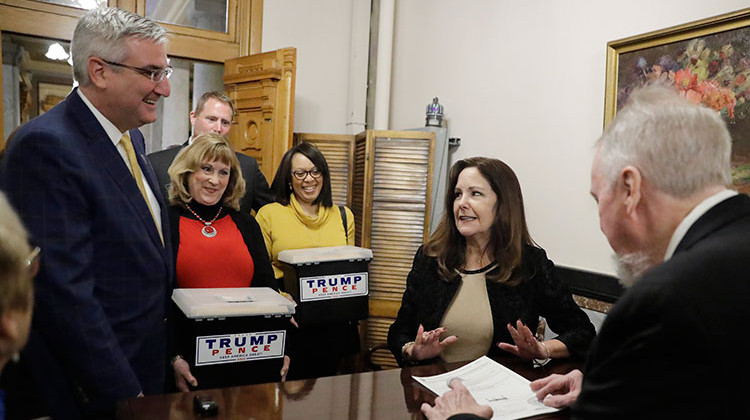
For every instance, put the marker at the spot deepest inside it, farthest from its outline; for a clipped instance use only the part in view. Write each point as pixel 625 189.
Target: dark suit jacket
pixel 675 344
pixel 427 297
pixel 98 331
pixel 257 193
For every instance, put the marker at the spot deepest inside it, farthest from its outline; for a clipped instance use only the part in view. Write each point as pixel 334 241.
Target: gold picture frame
pixel 708 61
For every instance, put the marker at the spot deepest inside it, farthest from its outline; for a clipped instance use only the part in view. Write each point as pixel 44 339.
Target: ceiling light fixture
pixel 56 52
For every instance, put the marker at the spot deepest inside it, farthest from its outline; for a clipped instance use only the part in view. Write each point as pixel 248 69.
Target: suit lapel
pixel 112 163
pixel 717 216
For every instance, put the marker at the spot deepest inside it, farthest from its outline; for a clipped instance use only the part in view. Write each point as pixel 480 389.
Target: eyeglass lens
pixel 299 174
pixel 156 75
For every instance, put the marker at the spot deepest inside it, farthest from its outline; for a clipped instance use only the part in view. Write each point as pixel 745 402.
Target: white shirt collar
pixel 113 132
pixel 694 215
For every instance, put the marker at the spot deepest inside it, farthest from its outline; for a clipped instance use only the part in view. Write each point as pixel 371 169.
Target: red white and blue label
pixel 232 348
pixel 334 286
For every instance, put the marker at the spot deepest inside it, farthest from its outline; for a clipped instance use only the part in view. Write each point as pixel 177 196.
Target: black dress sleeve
pixel 413 310
pixel 253 237
pixel 563 315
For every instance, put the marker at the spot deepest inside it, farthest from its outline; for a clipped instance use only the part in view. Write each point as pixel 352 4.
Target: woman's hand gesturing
pixel 428 344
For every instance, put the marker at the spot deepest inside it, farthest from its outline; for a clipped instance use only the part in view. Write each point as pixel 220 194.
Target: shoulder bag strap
pixel 342 210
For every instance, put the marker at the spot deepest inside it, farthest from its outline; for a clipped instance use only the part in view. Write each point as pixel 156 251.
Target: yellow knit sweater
pixel 288 227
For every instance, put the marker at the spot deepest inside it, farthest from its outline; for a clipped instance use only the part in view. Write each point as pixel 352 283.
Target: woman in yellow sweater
pixel 304 216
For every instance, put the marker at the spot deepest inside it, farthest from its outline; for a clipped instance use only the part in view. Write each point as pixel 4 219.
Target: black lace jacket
pixel 540 293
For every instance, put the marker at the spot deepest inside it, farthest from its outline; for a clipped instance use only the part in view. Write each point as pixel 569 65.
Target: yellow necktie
pixel 135 170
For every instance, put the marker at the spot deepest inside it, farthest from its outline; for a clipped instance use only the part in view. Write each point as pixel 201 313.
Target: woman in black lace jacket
pixel 480 284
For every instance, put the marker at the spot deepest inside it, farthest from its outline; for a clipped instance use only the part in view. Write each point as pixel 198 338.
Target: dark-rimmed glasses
pixel 32 261
pixel 301 175
pixel 156 75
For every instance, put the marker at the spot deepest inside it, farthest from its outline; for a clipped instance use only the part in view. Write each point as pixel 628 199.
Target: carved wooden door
pixel 262 88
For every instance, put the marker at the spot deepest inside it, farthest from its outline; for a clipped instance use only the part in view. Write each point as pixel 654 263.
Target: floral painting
pixel 713 69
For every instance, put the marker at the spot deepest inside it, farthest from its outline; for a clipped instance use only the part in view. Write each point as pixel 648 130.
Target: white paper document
pixel 491 383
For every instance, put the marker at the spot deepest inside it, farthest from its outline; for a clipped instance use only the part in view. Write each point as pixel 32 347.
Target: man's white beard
pixel 631 266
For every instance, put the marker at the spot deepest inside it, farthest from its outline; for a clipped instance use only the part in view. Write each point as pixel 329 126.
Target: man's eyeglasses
pixel 156 75
pixel 301 175
pixel 32 261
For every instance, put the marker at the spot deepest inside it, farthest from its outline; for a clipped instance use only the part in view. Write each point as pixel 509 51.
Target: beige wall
pixel 331 37
pixel 522 81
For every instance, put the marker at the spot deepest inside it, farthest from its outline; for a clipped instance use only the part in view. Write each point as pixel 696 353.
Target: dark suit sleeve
pixel 45 182
pixel 253 237
pixel 160 162
pixel 261 193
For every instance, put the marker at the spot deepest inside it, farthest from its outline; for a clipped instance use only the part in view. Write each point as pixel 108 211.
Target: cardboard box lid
pixel 324 254
pixel 231 302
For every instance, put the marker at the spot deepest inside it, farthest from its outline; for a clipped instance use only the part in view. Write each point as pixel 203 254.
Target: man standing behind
pixel 673 345
pixel 214 112
pixel 78 177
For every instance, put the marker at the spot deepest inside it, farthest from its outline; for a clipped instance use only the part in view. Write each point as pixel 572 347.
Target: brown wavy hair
pixel 509 232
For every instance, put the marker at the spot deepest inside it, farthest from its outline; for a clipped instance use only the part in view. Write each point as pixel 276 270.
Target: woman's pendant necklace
pixel 208 231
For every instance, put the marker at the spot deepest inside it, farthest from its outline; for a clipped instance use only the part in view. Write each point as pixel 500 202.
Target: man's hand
pixel 558 390
pixel 182 375
pixel 285 368
pixel 456 401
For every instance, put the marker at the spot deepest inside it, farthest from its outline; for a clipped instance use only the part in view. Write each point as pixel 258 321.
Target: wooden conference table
pixel 386 394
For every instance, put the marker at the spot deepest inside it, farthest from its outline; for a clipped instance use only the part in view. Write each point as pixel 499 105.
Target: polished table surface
pixel 386 394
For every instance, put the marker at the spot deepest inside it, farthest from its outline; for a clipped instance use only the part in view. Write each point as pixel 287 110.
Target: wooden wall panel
pixel 360 197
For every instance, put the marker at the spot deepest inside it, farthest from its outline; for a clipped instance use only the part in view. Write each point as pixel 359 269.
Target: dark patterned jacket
pixel 540 293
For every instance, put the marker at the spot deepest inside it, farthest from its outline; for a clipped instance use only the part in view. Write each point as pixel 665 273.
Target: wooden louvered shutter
pixel 338 150
pixel 391 202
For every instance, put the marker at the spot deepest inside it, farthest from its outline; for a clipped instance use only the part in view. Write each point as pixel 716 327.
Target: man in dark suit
pixel 79 179
pixel 673 345
pixel 214 112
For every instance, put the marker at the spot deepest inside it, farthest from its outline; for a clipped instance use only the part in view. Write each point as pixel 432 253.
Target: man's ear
pixel 10 331
pixel 193 117
pixel 97 70
pixel 631 181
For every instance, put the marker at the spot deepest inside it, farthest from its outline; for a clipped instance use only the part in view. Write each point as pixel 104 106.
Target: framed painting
pixel 707 61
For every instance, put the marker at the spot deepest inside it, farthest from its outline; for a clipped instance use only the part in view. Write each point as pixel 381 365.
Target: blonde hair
pixel 16 285
pixel 205 148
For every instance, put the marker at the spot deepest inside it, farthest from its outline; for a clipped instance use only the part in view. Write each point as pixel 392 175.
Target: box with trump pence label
pixel 232 336
pixel 330 284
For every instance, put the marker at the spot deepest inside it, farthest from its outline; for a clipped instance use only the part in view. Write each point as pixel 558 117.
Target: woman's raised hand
pixel 428 344
pixel 526 345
